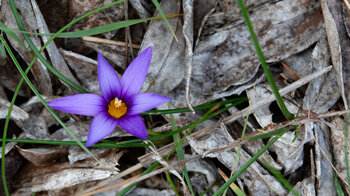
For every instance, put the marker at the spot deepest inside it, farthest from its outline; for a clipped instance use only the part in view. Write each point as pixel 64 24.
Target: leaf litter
pixel 212 59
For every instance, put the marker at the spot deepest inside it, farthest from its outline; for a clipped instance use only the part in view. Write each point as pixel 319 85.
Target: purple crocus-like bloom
pixel 121 101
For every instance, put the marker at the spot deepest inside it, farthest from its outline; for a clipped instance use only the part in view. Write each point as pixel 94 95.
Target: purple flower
pixel 120 103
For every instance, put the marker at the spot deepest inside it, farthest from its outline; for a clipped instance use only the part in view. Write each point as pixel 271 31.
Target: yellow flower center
pixel 117 108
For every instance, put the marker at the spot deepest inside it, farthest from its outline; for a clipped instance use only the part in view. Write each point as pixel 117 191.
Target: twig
pixel 347 4
pixel 188 35
pixel 336 171
pixel 110 187
pixel 141 178
pixel 296 77
pixel 128 38
pixel 107 41
pixel 233 186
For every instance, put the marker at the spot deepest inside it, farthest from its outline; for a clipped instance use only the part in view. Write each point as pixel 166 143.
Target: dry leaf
pixel 16 114
pixel 40 156
pixel 167 65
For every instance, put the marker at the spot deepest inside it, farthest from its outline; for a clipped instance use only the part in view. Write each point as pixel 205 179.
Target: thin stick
pixel 336 171
pixel 296 77
pixel 107 41
pixel 141 178
pixel 110 187
pixel 347 4
pixel 233 186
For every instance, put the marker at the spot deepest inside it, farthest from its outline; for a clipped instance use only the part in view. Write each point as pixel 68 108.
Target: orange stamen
pixel 117 108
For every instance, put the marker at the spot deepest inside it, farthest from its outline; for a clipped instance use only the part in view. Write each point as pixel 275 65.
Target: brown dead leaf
pixel 339 43
pixel 40 156
pixel 39 70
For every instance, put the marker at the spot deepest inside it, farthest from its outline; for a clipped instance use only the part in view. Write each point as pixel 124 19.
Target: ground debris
pixel 210 58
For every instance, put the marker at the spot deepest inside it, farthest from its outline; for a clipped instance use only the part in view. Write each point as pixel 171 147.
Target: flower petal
pixel 145 101
pixel 101 126
pixel 134 125
pixel 82 104
pixel 108 79
pixel 134 76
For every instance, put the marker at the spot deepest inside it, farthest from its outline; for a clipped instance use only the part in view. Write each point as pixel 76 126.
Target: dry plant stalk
pixel 107 41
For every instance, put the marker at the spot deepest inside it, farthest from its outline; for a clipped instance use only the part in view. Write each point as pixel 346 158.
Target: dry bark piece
pixel 63 179
pixel 58 176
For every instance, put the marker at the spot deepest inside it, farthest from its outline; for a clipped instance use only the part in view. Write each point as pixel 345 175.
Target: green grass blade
pixel 4 134
pixel 340 191
pixel 281 179
pixel 264 135
pixel 11 34
pixel 92 31
pixel 346 148
pixel 197 108
pixel 2 51
pixel 73 143
pixel 266 69
pixel 160 10
pixel 106 28
pixel 208 189
pixel 193 126
pixel 239 192
pixel 171 183
pixel 180 152
pixel 251 161
pixel 338 187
